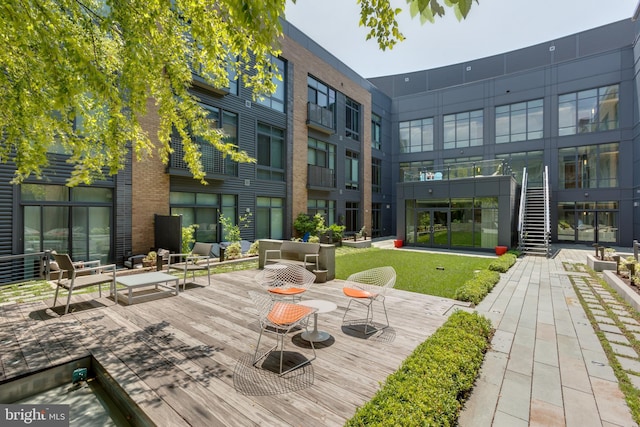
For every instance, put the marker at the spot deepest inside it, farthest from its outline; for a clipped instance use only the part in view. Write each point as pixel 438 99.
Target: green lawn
pixel 417 271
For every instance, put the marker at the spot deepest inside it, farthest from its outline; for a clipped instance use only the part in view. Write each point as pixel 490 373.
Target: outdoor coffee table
pixel 141 280
pixel 322 306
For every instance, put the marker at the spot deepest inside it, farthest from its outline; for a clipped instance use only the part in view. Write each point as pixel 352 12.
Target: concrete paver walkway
pixel 547 366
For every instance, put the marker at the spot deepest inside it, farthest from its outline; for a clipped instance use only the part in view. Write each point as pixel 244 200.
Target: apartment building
pixel 435 157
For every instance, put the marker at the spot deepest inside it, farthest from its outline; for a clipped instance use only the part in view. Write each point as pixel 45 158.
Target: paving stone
pixel 546 352
pixel 628 320
pixel 635 380
pixel 546 384
pixel 623 350
pixel 611 403
pixel 515 395
pixel 545 414
pixel 605 327
pixel 502 341
pixel 629 364
pixel 505 420
pixel 599 312
pixel 633 328
pixel 597 364
pixel 580 408
pixel 619 338
pixel 604 320
pixel 480 407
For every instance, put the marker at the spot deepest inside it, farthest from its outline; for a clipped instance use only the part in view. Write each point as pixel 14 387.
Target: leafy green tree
pixel 76 76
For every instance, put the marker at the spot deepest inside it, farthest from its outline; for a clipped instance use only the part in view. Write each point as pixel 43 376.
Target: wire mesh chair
pixel 367 287
pixel 285 280
pixel 280 318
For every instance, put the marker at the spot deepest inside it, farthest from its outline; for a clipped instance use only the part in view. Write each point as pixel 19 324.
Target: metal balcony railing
pixel 320 116
pixel 318 177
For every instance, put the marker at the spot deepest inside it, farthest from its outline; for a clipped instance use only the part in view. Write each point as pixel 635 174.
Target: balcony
pixel 320 118
pixel 461 170
pixel 212 160
pixel 319 178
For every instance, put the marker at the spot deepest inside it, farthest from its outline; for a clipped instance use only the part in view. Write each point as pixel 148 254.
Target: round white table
pixel 322 306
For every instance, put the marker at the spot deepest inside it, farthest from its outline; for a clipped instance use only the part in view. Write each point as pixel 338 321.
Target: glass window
pixel 269 218
pixel 326 208
pixel 352 222
pixel 91 194
pixel 271 155
pixel 376 175
pixel 351 170
pixel 591 166
pixel 320 94
pixel 201 209
pixel 49 193
pixel 352 120
pixel 416 136
pixel 376 133
pixel 277 99
pixel 320 153
pixel 463 129
pixel 589 110
pixel 519 122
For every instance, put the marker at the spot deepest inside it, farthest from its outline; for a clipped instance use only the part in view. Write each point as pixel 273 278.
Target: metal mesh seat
pixel 367 287
pixel 280 318
pixel 285 280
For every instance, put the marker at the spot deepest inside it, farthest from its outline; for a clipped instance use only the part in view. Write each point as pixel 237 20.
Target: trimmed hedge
pixel 474 290
pixel 431 384
pixel 503 263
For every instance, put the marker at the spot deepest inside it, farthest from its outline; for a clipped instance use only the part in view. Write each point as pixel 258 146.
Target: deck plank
pixel 186 360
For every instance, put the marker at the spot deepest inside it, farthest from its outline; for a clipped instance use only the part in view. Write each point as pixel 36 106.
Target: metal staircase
pixel 534 223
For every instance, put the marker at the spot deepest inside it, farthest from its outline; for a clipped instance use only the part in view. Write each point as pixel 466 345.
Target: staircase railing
pixel 547 211
pixel 523 203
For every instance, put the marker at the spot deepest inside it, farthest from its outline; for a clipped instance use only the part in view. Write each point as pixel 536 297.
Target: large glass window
pixel 269 218
pixel 519 122
pixel 588 110
pixel 352 221
pixel 463 129
pixel 376 175
pixel 591 166
pixel 351 170
pixel 200 209
pixel 416 135
pixel 320 153
pixel 68 220
pixel 352 120
pixel 271 153
pixel 376 219
pixel 326 208
pixel 588 222
pixel 276 100
pixel 532 160
pixel 376 132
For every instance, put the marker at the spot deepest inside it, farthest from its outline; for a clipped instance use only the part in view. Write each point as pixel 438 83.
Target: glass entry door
pixel 432 228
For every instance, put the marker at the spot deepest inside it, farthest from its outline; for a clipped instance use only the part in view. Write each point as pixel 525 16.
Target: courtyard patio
pixel 186 360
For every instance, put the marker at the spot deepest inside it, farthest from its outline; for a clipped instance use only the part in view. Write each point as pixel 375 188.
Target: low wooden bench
pixel 303 253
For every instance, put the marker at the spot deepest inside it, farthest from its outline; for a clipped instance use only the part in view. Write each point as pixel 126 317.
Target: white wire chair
pixel 367 287
pixel 280 318
pixel 285 280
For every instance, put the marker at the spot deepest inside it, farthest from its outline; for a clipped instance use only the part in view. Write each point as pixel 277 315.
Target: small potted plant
pixel 150 259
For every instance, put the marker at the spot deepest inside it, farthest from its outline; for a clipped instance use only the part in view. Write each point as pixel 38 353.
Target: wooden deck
pixel 186 360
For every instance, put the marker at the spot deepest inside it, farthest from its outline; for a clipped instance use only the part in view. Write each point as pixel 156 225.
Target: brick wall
pixel 150 188
pixel 305 63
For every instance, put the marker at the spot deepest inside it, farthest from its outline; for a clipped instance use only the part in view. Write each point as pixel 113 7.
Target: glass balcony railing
pixel 320 118
pixel 458 171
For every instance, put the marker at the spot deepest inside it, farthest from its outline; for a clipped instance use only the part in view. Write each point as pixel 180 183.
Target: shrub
pixel 233 251
pixel 431 383
pixel 474 290
pixel 503 263
pixel 254 248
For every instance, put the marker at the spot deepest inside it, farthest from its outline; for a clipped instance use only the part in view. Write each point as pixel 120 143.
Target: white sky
pixel 492 27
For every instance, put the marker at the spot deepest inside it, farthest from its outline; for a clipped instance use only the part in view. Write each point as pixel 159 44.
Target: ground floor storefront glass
pixel 449 223
pixel 588 222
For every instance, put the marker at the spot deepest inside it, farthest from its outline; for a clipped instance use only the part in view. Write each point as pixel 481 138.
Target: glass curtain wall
pixel 588 222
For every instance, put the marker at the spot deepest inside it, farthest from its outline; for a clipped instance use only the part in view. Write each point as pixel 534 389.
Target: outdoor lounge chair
pixel 198 260
pixel 285 280
pixel 78 278
pixel 367 287
pixel 280 318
